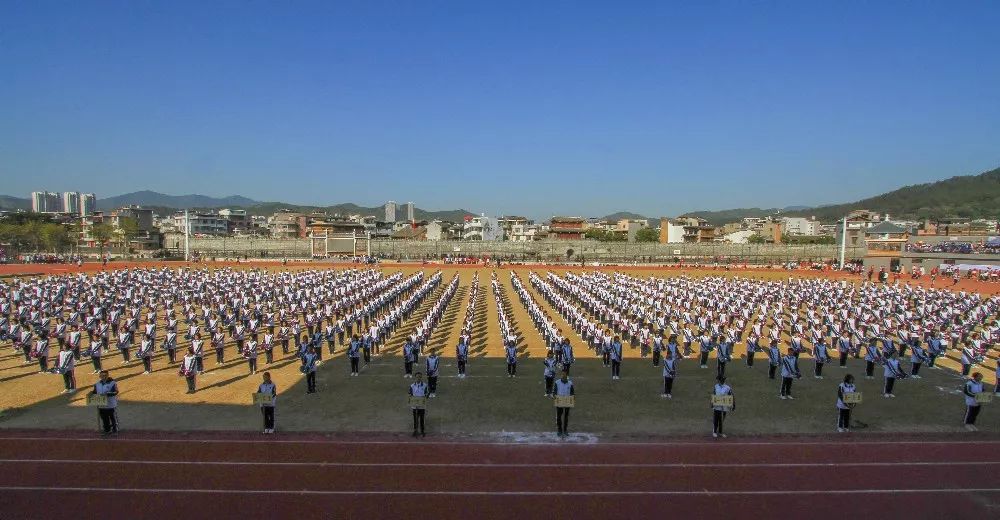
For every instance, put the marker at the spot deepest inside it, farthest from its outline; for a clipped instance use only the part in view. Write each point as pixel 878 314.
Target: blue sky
pixel 536 108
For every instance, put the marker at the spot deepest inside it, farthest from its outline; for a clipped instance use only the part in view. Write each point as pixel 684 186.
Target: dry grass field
pixel 487 402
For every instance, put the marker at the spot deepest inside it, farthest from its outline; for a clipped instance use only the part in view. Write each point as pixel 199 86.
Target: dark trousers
pixel 252 364
pixel 96 361
pixel 200 363
pixel 331 344
pixel 668 385
pixel 220 355
pixel 190 383
pixel 721 368
pixel 284 346
pixel 109 419
pixel 69 379
pixel 750 358
pixel 562 419
pixel 354 364
pixel 771 371
pixel 512 369
pixel 971 413
pixel 718 417
pixel 931 359
pixel 408 367
pixel 819 368
pixel 607 358
pixel 966 369
pixel 368 355
pixel 126 355
pixel 844 418
pixel 704 358
pixel 616 368
pixel 432 384
pixel 915 369
pixel 786 386
pixel 43 363
pixel 843 361
pixel 656 358
pixel 172 355
pixel 869 368
pixel 147 364
pixel 461 366
pixel 549 381
pixel 418 419
pixel 889 383
pixel 319 352
pixel 311 382
pixel 269 356
pixel 268 412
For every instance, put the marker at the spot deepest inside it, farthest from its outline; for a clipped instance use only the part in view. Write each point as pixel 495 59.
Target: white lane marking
pixel 409 443
pixel 706 492
pixel 502 464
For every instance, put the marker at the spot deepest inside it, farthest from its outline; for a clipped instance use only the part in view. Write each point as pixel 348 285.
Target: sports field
pixel 487 403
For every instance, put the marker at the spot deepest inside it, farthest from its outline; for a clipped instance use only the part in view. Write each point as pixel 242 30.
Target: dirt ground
pixel 487 401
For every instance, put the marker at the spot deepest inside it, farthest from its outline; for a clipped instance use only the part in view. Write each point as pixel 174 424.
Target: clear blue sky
pixel 536 108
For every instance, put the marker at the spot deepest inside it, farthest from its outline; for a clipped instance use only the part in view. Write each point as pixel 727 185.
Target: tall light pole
pixel 187 234
pixel 843 243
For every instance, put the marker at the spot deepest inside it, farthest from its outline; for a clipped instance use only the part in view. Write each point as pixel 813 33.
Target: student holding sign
pixel 108 406
pixel 564 401
pixel 723 402
pixel 974 399
pixel 267 389
pixel 847 398
pixel 418 399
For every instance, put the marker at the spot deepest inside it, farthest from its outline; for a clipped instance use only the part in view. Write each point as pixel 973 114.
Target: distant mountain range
pixel 968 196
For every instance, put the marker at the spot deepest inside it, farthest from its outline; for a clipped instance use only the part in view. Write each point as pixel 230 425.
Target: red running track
pixel 157 475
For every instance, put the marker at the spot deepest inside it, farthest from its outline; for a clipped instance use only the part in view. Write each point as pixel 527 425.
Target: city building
pixel 88 204
pixel 408 211
pixel 481 228
pixel 202 224
pixel 858 222
pixel 567 228
pixel 71 202
pixel 800 226
pixel 236 219
pixel 287 224
pixel 629 227
pixel 390 211
pixel 671 231
pixel 45 202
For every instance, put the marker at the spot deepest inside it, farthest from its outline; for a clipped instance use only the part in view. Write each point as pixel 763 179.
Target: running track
pixel 230 475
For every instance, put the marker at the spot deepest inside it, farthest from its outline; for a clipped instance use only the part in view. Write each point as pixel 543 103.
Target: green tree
pixel 647 235
pixel 102 234
pixel 128 227
pixel 756 239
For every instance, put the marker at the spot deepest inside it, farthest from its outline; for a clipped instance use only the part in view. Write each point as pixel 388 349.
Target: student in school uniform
pixel 145 353
pixel 124 344
pixel 843 348
pixel 753 346
pixel 432 362
pixel 42 352
pixel 67 361
pixel 267 410
pixel 972 387
pixel 968 358
pixel 108 413
pixel 462 357
pixel 821 355
pixel 773 359
pixel 95 355
pixel 549 372
pixel 706 346
pixel 268 347
pixel 891 371
pixel 189 370
pixel 170 345
pixel 844 409
pixel 789 372
pixel 719 413
pixel 418 389
pixel 872 356
pixel 935 348
pixel 669 373
pixel 250 351
pixel 510 352
pixel 567 355
pixel 309 369
pixel 197 347
pixel 616 359
pixel 354 355
pixel 563 387
pixel 74 339
pixel 219 344
pixel 723 356
pixel 917 357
